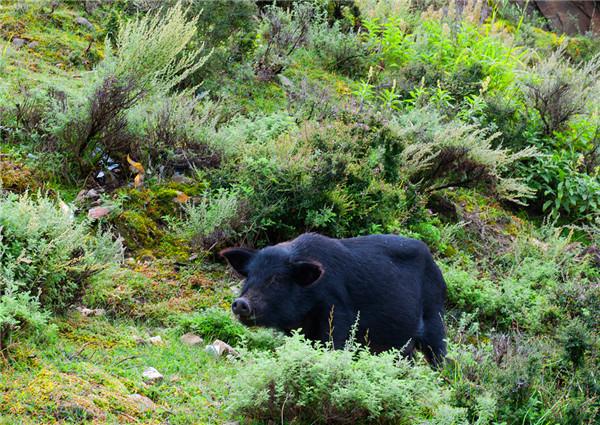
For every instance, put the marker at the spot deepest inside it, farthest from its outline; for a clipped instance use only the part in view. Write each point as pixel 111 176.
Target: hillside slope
pixel 137 140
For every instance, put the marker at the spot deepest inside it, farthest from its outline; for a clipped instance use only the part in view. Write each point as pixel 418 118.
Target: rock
pixel 98 212
pixel 87 312
pixel 219 348
pixel 82 21
pixel 92 194
pixel 180 178
pixel 33 44
pixel 155 340
pixel 143 403
pixel 18 42
pixel 152 375
pixel 191 339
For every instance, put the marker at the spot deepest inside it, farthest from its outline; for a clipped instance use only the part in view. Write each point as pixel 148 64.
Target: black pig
pixel 322 285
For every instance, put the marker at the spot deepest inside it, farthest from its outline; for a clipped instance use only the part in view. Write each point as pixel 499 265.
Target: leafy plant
pixel 283 31
pixel 210 221
pixel 214 323
pixel 559 91
pixel 46 252
pixel 305 382
pixel 439 155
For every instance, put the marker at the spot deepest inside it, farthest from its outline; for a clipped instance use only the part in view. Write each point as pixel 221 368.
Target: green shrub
pixel 438 154
pixel 563 188
pixel 340 51
pixel 558 91
pixel 229 28
pixel 88 126
pixel 576 339
pixel 282 31
pixel 210 221
pixel 46 252
pixel 173 133
pixel 154 51
pixel 214 323
pixel 18 311
pixel 46 258
pixel 336 178
pixel 309 383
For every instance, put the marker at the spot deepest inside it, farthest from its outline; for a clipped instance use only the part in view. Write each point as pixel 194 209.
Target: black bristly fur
pixel 391 281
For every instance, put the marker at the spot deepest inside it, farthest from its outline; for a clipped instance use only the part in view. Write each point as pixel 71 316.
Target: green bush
pixel 47 252
pixel 154 51
pixel 172 133
pixel 18 311
pixel 46 258
pixel 335 178
pixel 437 154
pixel 214 323
pixel 210 221
pixel 282 31
pixel 309 383
pixel 340 51
pixel 558 91
pixel 576 339
pixel 562 185
pixel 88 125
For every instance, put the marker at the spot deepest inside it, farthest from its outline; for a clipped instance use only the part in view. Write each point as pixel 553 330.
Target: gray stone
pixel 33 44
pixel 191 339
pixel 82 21
pixel 18 42
pixel 92 194
pixel 152 375
pixel 219 348
pixel 143 403
pixel 98 212
pixel 155 340
pixel 87 312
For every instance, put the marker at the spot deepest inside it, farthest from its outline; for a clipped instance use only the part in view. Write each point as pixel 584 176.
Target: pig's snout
pixel 241 307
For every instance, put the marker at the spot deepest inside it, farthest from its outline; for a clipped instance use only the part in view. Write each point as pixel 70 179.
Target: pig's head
pixel 278 291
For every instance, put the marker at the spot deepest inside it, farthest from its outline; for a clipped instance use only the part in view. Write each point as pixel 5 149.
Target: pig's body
pixel 321 285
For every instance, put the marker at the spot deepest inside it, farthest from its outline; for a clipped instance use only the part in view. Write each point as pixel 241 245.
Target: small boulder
pixel 87 312
pixel 156 340
pixel 191 339
pixel 33 44
pixel 219 348
pixel 98 212
pixel 152 375
pixel 18 42
pixel 84 22
pixel 142 402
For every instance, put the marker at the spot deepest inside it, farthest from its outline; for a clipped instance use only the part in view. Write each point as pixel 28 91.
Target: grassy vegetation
pixel 139 138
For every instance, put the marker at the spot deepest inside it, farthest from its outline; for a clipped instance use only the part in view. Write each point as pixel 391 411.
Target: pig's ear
pixel 305 273
pixel 239 258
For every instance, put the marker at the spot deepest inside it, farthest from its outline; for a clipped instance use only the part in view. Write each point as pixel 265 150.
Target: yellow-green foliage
pixel 151 50
pixel 395 120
